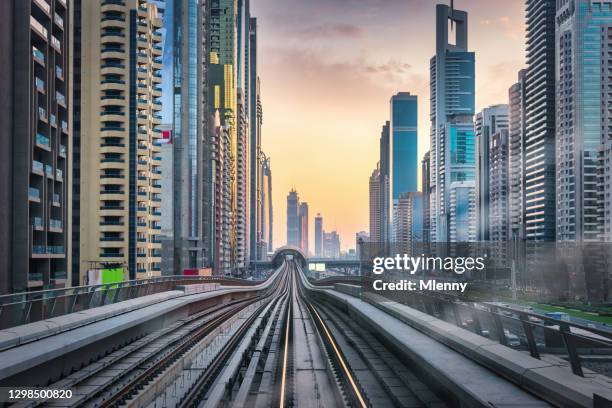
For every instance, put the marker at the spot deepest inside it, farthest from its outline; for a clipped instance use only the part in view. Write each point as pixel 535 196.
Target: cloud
pixel 332 30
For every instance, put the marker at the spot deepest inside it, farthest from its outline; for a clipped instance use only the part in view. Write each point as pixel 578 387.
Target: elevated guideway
pixel 474 369
pixel 41 352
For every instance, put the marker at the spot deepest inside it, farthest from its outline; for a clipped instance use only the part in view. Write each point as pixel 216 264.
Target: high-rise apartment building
pixel 517 122
pixel 242 219
pixel 318 224
pixel 462 212
pixel 539 141
pixel 120 77
pixel 403 147
pixel 489 122
pixel 498 187
pixel 36 145
pixel 452 87
pixel 376 216
pixel 360 239
pixel 331 245
pixel 408 223
pixel 303 227
pixel 584 126
pixel 255 118
pixel 293 219
pixel 193 209
pixel 383 163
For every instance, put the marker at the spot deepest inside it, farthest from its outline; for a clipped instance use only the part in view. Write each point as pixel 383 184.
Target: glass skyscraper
pixel 403 148
pixel 452 154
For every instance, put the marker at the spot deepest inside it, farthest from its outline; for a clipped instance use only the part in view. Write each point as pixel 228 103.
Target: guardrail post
pixel 457 313
pixel 572 353
pixel 476 320
pixel 528 329
pixel 73 301
pixel 499 326
pixel 25 316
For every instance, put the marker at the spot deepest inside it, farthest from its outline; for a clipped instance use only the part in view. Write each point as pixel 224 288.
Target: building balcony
pixel 38 56
pixel 112 69
pixel 38 168
pixel 55 225
pixel 34 194
pixel 49 171
pixel 112 148
pixel 38 28
pixel 113 255
pixel 59 22
pixel 40 85
pixel 44 6
pixel 37 224
pixel 112 100
pixel 43 142
pixel 48 251
pixel 55 43
pixel 60 99
pixel 113 116
pixel 113 2
pixel 112 195
pixel 113 85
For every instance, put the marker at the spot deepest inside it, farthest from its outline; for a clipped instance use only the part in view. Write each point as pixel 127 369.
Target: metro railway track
pixel 152 353
pixel 283 348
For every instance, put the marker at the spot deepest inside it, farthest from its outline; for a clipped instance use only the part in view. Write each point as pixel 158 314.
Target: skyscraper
pixel 426 187
pixel 498 187
pixel 318 222
pixel 303 224
pixel 539 142
pixel 193 210
pixel 293 219
pixel 331 245
pixel 408 223
pixel 242 220
pixel 35 133
pixel 376 216
pixel 403 147
pixel 266 223
pixel 383 161
pixel 516 154
pixel 452 153
pixel 489 122
pixel 120 87
pixel 254 141
pixel 583 123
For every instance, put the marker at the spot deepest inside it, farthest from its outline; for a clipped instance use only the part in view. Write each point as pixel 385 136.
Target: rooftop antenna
pixel 452 9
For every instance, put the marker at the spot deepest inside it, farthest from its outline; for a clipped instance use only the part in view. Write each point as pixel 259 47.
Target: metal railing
pixel 28 307
pixel 513 326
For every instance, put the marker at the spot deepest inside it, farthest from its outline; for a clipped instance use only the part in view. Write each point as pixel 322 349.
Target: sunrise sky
pixel 328 69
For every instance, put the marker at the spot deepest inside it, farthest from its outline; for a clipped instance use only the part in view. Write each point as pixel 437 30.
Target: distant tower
pixel 318 236
pixel 375 207
pixel 303 224
pixel 293 226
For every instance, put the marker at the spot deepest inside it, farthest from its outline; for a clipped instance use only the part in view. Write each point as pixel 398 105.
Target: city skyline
pixel 303 129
